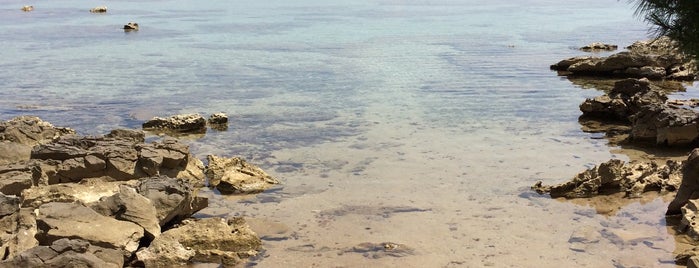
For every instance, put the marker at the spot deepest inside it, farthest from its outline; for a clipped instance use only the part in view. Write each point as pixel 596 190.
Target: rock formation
pixel 655 59
pixel 184 123
pixel 597 46
pixel 236 176
pixel 101 9
pixel 131 26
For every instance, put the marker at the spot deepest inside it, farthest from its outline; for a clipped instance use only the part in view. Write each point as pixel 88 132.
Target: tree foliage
pixel 678 19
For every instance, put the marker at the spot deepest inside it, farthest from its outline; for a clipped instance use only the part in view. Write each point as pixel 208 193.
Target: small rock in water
pixel 27 8
pixel 102 9
pixel 218 118
pixel 597 46
pixel 131 26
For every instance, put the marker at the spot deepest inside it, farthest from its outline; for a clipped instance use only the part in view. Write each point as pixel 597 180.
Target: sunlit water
pixel 421 123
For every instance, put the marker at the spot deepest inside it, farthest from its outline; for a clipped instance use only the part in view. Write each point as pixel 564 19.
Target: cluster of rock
pixel 615 176
pixel 651 117
pixel 654 59
pixel 114 201
pixel 187 123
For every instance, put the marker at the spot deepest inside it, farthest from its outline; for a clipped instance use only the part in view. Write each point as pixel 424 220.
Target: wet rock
pixel 626 98
pixel 236 176
pixel 128 205
pixel 584 237
pixel 131 26
pixel 659 59
pixel 70 220
pixel 27 8
pixel 173 198
pixel 184 123
pixel 613 176
pixel 215 240
pixel 67 253
pixel 102 9
pixel 597 46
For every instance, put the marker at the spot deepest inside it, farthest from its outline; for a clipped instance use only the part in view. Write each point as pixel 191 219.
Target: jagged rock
pixel 626 98
pixel 215 240
pixel 660 59
pixel 131 26
pixel 8 205
pixel 173 198
pixel 101 9
pixel 689 187
pixel 70 220
pixel 17 227
pixel 235 175
pixel 67 253
pixel 20 134
pixel 128 205
pixel 183 123
pixel 614 175
pixel 14 178
pixel 597 46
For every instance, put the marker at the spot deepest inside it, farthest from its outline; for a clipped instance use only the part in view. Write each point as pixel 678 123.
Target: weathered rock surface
pixel 183 123
pixel 218 119
pixel 20 134
pixel 101 9
pixel 614 176
pixel 656 59
pixel 67 253
pixel 83 193
pixel 173 199
pixel 129 205
pixel 598 46
pixel 213 240
pixel 236 176
pixel 70 220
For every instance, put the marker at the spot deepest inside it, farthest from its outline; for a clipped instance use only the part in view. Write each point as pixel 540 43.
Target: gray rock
pixel 236 176
pixel 173 198
pixel 67 253
pixel 128 205
pixel 30 130
pixel 8 205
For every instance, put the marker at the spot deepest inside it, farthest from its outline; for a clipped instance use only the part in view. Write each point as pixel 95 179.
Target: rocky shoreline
pixel 636 111
pixel 115 200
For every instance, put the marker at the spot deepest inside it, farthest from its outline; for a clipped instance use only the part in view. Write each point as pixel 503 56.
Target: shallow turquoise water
pixel 364 102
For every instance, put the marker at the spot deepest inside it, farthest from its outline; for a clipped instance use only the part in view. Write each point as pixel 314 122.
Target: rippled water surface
pixel 419 123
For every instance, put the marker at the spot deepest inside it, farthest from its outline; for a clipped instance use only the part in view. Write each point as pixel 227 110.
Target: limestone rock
pixel 218 118
pixel 18 231
pixel 614 175
pixel 184 123
pixel 70 220
pixel 69 192
pixel 235 175
pixel 173 198
pixel 30 130
pixel 67 253
pixel 665 124
pixel 165 252
pixel 215 239
pixel 128 205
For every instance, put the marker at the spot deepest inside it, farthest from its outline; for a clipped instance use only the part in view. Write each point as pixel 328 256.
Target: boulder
pixel 236 176
pixel 30 130
pixel 215 240
pixel 70 192
pixel 626 98
pixel 613 176
pixel 184 123
pixel 597 46
pixel 665 124
pixel 173 198
pixel 218 119
pixel 14 178
pixel 17 227
pixel 129 205
pixel 67 252
pixel 70 220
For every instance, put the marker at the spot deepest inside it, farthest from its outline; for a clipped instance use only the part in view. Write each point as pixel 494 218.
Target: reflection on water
pixel 405 132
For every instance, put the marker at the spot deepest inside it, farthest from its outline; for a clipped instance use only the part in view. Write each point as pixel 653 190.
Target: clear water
pixel 418 122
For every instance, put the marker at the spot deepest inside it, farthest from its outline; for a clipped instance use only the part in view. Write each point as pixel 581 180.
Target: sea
pixel 406 133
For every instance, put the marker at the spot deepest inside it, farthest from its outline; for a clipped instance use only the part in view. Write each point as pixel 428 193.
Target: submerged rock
pixel 613 176
pixel 236 176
